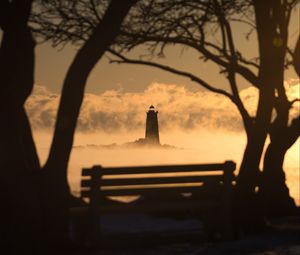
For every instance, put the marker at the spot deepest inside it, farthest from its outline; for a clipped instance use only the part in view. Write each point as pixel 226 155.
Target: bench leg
pixel 94 225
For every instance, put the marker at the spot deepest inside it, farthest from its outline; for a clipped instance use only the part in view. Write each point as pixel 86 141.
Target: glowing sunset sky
pixel 205 125
pixel 52 64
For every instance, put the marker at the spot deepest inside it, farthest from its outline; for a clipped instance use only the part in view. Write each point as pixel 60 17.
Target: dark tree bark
pixel 296 57
pixel 273 192
pixel 20 221
pixel 272 25
pixel 28 212
pixel 155 25
pixel 55 185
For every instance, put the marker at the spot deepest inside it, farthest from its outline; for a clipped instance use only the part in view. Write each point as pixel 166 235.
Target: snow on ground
pixel 283 238
pixel 140 223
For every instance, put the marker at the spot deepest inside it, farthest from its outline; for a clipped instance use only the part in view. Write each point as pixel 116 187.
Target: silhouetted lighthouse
pixel 152 133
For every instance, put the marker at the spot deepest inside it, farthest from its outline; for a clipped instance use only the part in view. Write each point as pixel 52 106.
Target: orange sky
pixel 52 65
pixel 203 142
pixel 203 126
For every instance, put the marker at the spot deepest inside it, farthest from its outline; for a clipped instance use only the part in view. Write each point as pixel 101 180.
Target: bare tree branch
pixel 294 101
pixel 243 71
pixel 94 10
pixel 123 59
pixel 227 39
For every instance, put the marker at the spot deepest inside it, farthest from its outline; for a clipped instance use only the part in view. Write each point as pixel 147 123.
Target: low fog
pixel 199 127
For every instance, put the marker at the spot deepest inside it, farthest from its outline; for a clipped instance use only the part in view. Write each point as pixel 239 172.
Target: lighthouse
pixel 152 133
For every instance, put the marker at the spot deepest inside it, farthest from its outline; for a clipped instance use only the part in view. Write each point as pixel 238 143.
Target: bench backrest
pixel 124 181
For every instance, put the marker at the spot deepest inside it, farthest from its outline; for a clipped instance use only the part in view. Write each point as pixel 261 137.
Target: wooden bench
pixel 204 189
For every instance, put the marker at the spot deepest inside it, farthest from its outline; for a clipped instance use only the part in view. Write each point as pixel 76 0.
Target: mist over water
pixel 202 126
pixel 194 147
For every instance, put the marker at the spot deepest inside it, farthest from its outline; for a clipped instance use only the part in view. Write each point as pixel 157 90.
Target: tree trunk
pixel 20 214
pixel 55 185
pixel 273 192
pixel 296 57
pixel 271 29
pixel 248 216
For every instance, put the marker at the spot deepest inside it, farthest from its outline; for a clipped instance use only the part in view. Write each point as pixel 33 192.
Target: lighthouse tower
pixel 152 133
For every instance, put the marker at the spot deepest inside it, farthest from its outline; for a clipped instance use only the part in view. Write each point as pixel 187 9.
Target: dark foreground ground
pixel 283 238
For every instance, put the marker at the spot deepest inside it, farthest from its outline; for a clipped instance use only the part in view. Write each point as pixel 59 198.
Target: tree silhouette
pixel 186 23
pixel 296 57
pixel 201 25
pixel 38 201
pixel 96 43
pixel 284 132
pixel 20 220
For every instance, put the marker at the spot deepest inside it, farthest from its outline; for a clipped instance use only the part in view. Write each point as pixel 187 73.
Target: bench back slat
pixel 146 191
pixel 162 169
pixel 109 181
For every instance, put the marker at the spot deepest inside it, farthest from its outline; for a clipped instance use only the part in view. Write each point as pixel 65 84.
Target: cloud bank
pixel 118 110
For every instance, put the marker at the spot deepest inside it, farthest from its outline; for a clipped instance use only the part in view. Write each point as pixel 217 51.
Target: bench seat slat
pixel 85 193
pixel 179 206
pixel 145 191
pixel 199 191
